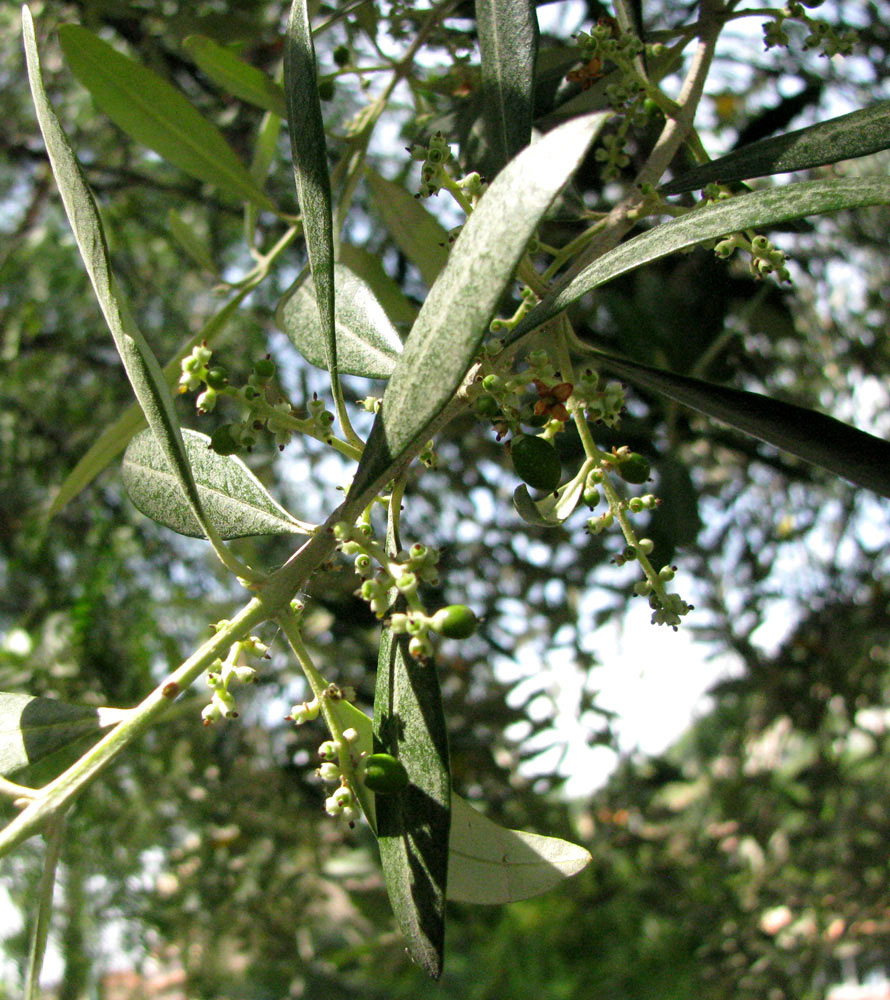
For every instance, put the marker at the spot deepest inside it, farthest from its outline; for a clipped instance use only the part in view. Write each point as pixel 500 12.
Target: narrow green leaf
pixel 234 75
pixel 368 267
pixel 141 366
pixel 155 114
pixel 488 863
pixel 856 134
pixel 815 437
pixel 265 148
pixel 759 209
pixel 195 247
pixel 367 343
pixel 413 825
pixel 508 43
pixel 555 508
pixel 455 316
pixel 310 158
pixel 32 728
pixel 419 235
pixel 233 499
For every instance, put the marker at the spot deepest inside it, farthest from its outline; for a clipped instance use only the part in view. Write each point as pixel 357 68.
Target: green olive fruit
pixel 326 89
pixel 456 621
pixel 217 378
pixel 342 55
pixel 536 420
pixel 536 462
pixel 264 368
pixel 634 468
pixel 223 442
pixel 487 406
pixel 383 774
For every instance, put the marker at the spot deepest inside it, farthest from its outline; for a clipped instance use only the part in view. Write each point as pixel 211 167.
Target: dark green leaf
pixel 759 209
pixel 508 43
pixel 233 499
pixel 154 113
pixel 455 316
pixel 413 825
pixel 142 368
pixel 815 437
pixel 419 236
pixel 856 134
pixel 310 158
pixel 32 728
pixel 235 75
pixel 367 343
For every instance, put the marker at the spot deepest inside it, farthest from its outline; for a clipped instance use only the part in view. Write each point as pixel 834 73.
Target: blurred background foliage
pixel 749 860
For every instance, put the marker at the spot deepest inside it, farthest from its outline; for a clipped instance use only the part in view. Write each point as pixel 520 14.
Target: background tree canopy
pixel 749 859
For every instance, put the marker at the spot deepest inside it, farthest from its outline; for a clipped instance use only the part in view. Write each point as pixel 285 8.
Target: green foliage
pixel 232 498
pixel 367 342
pixel 152 112
pixel 33 728
pixel 538 294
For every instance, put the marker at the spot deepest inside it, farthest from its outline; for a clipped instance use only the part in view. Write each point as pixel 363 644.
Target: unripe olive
pixel 651 107
pixel 223 442
pixel 456 621
pixel 634 468
pixel 326 89
pixel 342 55
pixel 536 462
pixel 536 420
pixel 218 377
pixel 383 774
pixel 487 406
pixel 264 368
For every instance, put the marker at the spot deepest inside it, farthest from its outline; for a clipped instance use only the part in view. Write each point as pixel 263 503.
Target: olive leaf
pixel 419 235
pixel 491 864
pixel 154 113
pixel 233 499
pixel 508 47
pixel 32 728
pixel 454 318
pixel 555 508
pixel 236 76
pixel 367 343
pixel 413 825
pixel 368 266
pixel 759 209
pixel 815 437
pixel 310 159
pixel 143 370
pixel 856 134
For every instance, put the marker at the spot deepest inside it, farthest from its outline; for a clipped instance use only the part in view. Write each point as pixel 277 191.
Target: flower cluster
pixel 765 258
pixel 385 580
pixel 344 761
pixel 829 39
pixel 606 42
pixel 505 400
pixel 263 408
pixel 434 157
pixel 228 673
